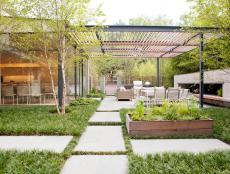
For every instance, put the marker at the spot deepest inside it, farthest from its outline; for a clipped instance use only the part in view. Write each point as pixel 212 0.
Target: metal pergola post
pixel 82 78
pixel 60 81
pixel 75 80
pixel 158 71
pixel 201 86
pixel 79 78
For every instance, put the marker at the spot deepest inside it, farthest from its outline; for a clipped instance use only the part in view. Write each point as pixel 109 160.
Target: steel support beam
pixel 60 81
pixel 201 86
pixel 82 78
pixel 75 80
pixel 158 71
pixel 79 78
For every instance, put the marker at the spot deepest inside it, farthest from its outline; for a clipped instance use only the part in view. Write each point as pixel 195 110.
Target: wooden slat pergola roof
pixel 143 41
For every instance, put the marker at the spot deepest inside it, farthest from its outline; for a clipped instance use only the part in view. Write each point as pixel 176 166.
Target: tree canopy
pixel 203 13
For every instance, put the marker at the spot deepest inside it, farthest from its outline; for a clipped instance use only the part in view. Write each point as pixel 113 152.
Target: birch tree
pixel 63 16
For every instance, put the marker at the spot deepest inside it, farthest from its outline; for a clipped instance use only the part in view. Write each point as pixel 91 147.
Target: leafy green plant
pixel 169 111
pixel 139 112
pixel 220 92
pixel 183 109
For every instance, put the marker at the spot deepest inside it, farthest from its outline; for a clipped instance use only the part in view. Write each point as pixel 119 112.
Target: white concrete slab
pixel 101 139
pixel 111 104
pixel 105 117
pixel 41 143
pixel 143 147
pixel 96 164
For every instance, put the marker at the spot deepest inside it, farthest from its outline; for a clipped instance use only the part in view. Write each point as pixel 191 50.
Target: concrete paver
pixel 27 143
pixel 143 147
pixel 111 104
pixel 105 117
pixel 101 139
pixel 96 164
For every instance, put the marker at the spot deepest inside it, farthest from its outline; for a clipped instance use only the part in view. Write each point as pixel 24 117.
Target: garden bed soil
pixel 169 127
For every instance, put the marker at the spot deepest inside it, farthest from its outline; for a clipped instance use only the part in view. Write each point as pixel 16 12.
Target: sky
pixel 126 9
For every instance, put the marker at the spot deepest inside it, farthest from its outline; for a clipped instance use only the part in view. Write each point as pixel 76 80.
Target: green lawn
pixel 170 163
pixel 221 117
pixel 30 162
pixel 31 120
pixel 39 120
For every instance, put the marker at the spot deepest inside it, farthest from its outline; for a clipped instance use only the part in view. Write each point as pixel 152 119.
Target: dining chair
pixel 23 92
pixel 7 91
pixel 35 92
pixel 173 94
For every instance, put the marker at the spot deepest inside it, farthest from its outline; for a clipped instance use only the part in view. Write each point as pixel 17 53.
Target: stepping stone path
pixel 28 143
pixel 101 139
pixel 105 117
pixel 111 104
pixel 109 139
pixel 143 147
pixel 96 164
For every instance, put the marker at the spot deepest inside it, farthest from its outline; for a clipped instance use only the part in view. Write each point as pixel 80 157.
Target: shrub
pixel 96 93
pixel 83 101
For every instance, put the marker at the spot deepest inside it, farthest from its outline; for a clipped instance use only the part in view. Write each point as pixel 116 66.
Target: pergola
pixel 146 42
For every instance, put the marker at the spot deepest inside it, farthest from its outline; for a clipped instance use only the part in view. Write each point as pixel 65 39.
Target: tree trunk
pixel 63 57
pixel 52 81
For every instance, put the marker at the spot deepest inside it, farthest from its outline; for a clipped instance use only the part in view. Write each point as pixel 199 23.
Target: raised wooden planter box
pixel 169 127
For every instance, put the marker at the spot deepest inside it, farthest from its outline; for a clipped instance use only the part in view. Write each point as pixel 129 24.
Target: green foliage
pixel 83 101
pixel 169 111
pixel 30 162
pixel 37 120
pixel 94 93
pixel 220 92
pixel 138 113
pixel 205 13
pixel 221 119
pixel 107 65
pixel 174 163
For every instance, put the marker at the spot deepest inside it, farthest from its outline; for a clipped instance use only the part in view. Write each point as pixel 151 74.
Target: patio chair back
pixel 8 91
pixel 159 94
pixel 173 94
pixel 35 90
pixel 23 90
pixel 184 94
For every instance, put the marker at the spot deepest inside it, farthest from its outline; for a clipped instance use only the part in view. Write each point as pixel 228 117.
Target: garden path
pixel 99 140
pixel 111 104
pixel 99 146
